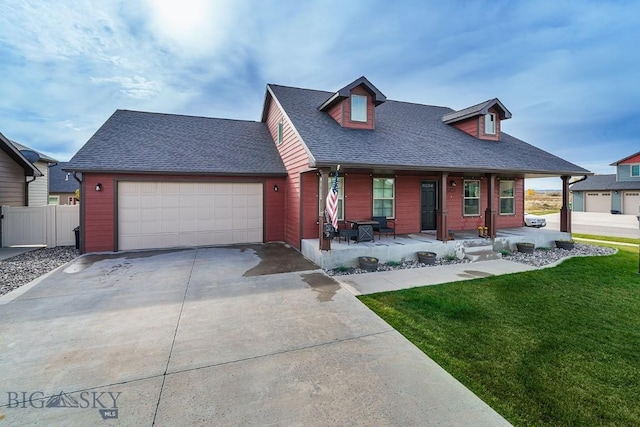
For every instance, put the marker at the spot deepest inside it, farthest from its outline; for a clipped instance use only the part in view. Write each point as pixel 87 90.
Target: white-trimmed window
pixel 358 108
pixel 507 198
pixel 635 170
pixel 280 132
pixel 54 200
pixel 471 197
pixel 384 197
pixel 340 195
pixel 490 124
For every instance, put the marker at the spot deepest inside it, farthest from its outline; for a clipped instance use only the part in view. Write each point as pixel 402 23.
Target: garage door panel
pixel 598 201
pixel 631 202
pixel 171 214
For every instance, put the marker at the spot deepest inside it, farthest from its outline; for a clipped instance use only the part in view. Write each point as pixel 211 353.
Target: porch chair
pixel 383 226
pixel 346 233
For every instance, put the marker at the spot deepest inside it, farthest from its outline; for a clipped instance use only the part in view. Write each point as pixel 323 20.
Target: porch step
pixel 483 255
pixel 472 249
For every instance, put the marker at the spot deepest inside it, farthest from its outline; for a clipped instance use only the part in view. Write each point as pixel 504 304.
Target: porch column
pixel 490 212
pixel 325 244
pixel 565 212
pixel 442 222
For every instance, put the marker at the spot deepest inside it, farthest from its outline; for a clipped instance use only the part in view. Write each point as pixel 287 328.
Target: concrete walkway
pixel 369 283
pixel 203 337
pixel 6 253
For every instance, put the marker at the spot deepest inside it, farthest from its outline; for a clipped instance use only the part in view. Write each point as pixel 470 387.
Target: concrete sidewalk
pixel 381 281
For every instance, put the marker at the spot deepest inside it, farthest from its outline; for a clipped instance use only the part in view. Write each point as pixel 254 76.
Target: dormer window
pixel 358 108
pixel 490 124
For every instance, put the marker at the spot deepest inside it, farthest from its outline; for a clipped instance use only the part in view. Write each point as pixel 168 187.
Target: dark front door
pixel 428 205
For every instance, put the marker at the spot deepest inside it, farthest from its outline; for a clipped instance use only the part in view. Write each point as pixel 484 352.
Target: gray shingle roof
pixel 135 141
pixel 604 182
pixel 58 182
pixel 43 157
pixel 622 160
pixel 476 110
pixel 12 151
pixel 410 136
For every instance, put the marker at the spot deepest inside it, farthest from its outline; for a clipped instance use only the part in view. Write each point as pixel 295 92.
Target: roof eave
pixel 169 172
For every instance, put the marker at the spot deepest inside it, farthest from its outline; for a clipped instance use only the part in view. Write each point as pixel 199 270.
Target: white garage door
pixel 598 201
pixel 171 214
pixel 631 202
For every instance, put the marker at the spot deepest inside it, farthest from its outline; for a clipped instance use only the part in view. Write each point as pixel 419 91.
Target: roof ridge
pixel 185 115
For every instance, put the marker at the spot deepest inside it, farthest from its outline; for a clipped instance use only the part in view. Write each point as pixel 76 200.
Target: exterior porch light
pixel 452 183
pixel 98 187
pixel 275 187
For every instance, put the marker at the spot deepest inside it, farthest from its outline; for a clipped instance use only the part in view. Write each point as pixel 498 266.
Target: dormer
pixel 353 106
pixel 481 121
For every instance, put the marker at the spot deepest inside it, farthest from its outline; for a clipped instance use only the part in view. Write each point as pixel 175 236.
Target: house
pixel 154 180
pixel 39 187
pixel 62 186
pixel 17 175
pixel 615 193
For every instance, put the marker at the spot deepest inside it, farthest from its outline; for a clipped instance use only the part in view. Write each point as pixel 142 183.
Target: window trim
pixel 392 198
pixel 280 132
pixel 364 112
pixel 631 170
pixel 465 198
pixel 513 197
pixel 494 121
pixel 54 196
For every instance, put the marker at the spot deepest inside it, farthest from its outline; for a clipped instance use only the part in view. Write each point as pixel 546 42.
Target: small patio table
pixel 365 229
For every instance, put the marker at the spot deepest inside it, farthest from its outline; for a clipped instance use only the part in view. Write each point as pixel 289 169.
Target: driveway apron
pixel 207 337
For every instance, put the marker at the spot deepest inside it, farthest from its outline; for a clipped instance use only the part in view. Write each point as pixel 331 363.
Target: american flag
pixel 332 203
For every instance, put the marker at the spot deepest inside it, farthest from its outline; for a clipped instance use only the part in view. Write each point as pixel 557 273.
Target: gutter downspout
pixel 26 191
pixel 82 251
pixel 579 180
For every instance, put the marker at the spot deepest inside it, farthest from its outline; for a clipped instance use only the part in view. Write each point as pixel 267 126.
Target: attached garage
pixel 597 201
pixel 173 214
pixel 631 202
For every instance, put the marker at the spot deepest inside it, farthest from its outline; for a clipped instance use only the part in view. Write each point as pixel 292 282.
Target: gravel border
pixel 22 269
pixel 539 258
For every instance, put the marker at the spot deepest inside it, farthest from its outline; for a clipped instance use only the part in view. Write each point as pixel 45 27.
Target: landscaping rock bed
pixel 540 257
pixel 22 269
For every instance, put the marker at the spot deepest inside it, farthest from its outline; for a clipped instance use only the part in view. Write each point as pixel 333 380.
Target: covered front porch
pixel 405 246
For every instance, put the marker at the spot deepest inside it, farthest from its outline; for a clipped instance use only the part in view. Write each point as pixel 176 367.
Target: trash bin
pixel 638 216
pixel 77 233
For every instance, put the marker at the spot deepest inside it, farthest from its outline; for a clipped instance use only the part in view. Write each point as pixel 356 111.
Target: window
pixel 358 108
pixel 472 198
pixel 507 192
pixel 340 195
pixel 635 170
pixel 383 197
pixel 280 130
pixel 54 200
pixel 490 124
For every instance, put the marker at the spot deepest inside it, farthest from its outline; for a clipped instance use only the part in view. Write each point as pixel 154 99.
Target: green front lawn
pixel 559 346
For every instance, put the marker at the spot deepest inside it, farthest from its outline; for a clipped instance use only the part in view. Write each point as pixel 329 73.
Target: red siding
pixel 99 208
pixel 336 112
pixel 634 159
pixel 295 160
pixel 346 105
pixel 310 181
pixel 469 126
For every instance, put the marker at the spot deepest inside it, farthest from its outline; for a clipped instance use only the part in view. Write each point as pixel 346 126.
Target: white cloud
pixel 134 87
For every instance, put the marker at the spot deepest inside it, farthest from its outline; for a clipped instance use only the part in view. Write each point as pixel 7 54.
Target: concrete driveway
pixel 215 336
pixel 601 224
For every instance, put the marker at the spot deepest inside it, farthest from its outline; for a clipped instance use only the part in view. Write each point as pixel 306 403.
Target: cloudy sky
pixel 569 72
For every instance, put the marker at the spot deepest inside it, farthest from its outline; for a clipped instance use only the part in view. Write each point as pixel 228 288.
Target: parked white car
pixel 531 220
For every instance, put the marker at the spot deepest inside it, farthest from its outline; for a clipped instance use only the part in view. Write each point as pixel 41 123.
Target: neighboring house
pixel 17 175
pixel 62 186
pixel 160 180
pixel 38 188
pixel 615 193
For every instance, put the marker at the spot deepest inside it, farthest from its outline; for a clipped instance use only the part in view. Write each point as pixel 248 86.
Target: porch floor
pixel 405 246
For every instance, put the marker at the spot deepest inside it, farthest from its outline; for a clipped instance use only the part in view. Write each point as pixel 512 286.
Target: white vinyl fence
pixel 50 225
